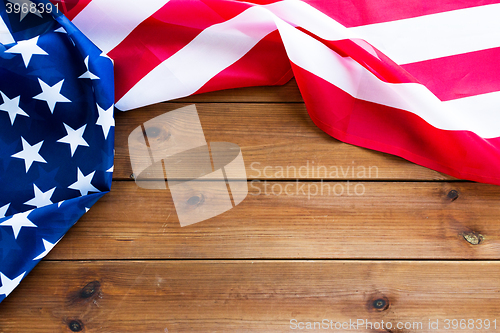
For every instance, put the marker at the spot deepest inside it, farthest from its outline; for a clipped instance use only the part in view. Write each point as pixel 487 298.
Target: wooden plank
pixel 278 141
pixel 287 93
pixel 389 220
pixel 251 296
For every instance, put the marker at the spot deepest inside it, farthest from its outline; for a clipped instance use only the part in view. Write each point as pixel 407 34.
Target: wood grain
pixel 277 141
pixel 249 296
pixel 128 266
pixel 392 220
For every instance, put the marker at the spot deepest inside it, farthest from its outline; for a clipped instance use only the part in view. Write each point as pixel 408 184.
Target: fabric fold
pixel 56 134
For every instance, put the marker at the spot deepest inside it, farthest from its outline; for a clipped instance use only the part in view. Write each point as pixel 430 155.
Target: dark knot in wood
pixel 196 200
pixel 380 303
pixel 90 289
pixel 75 325
pixel 473 238
pixel 453 195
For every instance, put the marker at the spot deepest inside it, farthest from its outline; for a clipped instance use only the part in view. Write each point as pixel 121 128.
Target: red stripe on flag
pixel 461 154
pixel 460 75
pixel 265 64
pixel 263 2
pixel 356 13
pixel 226 9
pixel 144 49
pixel 159 37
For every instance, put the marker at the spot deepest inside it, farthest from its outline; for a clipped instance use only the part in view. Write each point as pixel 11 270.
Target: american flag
pixel 56 134
pixel 418 79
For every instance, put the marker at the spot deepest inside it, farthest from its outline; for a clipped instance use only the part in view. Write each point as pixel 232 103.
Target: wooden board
pixel 128 266
pixel 251 296
pixel 277 141
pixel 369 220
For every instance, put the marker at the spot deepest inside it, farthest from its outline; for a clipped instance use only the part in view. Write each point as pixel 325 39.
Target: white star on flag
pixel 41 199
pixel 19 220
pixel 47 246
pixel 11 106
pixel 27 5
pixel 88 74
pixel 105 120
pixel 104 55
pixel 83 183
pixel 30 154
pixel 51 95
pixel 5 35
pixel 8 285
pixel 74 138
pixel 3 210
pixel 27 48
pixel 61 30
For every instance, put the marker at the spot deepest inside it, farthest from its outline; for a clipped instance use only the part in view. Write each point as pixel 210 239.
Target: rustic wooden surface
pixel 402 244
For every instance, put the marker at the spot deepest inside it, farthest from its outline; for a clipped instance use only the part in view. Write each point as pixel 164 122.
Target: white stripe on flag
pixel 301 14
pixel 213 50
pixel 107 22
pixel 5 35
pixel 480 109
pixel 435 36
pixel 348 75
pixel 408 40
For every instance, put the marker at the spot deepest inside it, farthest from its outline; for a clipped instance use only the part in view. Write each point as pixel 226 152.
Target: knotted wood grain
pixel 390 220
pixel 250 296
pixel 278 141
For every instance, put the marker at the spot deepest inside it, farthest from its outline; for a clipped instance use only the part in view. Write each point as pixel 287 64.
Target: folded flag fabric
pixel 56 132
pixel 417 79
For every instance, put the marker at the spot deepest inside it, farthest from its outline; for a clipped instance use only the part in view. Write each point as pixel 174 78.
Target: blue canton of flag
pixel 56 132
